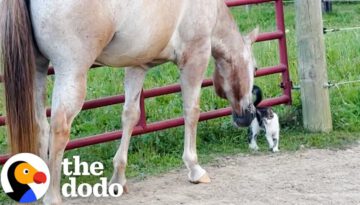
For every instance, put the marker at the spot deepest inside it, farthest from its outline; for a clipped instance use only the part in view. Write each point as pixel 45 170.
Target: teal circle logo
pixel 25 178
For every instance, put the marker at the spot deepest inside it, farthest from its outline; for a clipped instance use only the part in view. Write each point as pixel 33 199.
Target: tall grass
pixel 161 151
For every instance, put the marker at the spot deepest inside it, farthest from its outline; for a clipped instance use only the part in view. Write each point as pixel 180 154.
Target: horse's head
pixel 234 77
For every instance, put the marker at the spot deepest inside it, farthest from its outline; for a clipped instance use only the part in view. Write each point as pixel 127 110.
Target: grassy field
pixel 161 151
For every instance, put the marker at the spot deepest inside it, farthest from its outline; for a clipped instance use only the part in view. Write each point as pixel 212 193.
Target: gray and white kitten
pixel 266 119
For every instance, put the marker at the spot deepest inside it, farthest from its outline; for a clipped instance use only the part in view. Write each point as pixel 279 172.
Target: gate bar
pixel 155 92
pixel 231 3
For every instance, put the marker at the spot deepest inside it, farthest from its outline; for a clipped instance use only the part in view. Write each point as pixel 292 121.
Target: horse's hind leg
pixel 40 105
pixel 68 98
pixel 134 79
pixel 193 65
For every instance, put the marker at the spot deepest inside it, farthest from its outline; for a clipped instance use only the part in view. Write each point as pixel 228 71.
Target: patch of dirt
pixel 304 177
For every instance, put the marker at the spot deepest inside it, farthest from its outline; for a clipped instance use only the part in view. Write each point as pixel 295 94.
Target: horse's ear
pixel 253 35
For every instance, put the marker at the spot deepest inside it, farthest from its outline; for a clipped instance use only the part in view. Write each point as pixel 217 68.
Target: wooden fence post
pixel 312 66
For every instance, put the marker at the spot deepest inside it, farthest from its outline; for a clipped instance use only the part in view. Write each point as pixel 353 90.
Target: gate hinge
pixel 284 85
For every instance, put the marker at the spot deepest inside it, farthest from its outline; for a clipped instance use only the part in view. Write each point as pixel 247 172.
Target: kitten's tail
pixel 258 95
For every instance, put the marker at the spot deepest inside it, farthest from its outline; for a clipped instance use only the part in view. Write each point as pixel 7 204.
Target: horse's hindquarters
pixel 66 32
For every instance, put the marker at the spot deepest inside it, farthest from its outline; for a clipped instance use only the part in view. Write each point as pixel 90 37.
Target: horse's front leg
pixel 134 79
pixel 192 74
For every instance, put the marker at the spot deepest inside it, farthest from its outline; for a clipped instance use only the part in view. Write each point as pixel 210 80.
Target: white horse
pixel 73 35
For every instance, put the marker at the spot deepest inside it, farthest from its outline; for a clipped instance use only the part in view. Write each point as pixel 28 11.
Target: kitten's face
pixel 267 115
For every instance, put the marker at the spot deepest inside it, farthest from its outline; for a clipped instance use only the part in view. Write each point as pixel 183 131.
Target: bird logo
pixel 25 178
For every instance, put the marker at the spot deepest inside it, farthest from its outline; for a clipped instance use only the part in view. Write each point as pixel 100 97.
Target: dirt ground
pixel 304 177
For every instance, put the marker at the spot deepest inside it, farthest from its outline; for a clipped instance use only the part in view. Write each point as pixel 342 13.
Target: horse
pixel 137 35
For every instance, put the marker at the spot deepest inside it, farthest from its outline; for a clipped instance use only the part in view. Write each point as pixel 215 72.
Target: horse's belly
pixel 123 51
pixel 143 34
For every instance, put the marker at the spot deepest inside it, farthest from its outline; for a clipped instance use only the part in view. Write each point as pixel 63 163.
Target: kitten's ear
pixel 270 113
pixel 253 35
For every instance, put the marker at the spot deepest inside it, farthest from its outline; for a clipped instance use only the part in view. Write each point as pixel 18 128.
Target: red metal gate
pixel 143 127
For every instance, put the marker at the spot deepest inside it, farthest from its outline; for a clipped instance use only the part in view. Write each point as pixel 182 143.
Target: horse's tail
pixel 18 62
pixel 258 95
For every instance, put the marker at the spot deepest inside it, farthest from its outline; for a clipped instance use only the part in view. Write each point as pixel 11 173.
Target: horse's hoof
pixel 51 200
pixel 125 189
pixel 205 179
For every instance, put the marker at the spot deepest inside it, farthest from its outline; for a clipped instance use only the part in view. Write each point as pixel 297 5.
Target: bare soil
pixel 304 177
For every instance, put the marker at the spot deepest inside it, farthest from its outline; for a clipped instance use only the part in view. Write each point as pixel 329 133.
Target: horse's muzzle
pixel 245 119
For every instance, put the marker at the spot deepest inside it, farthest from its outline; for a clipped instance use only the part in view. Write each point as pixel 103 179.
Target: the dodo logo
pixel 25 178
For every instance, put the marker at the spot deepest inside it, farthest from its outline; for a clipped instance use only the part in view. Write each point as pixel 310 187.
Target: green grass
pixel 161 151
